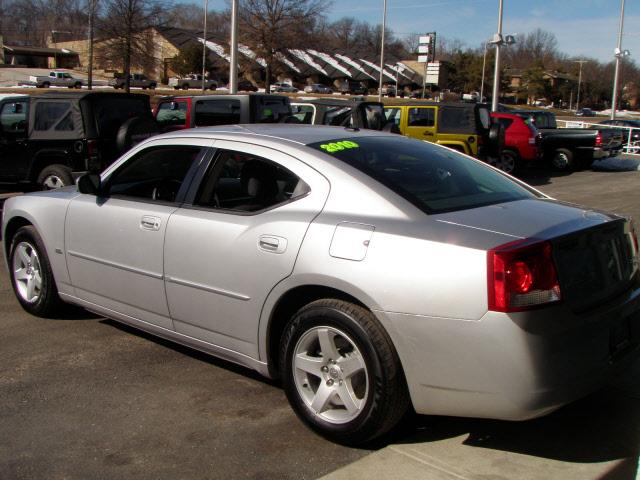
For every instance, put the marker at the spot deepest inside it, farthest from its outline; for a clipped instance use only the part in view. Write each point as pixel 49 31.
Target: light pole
pixel 233 61
pixel 498 41
pixel 579 81
pixel 384 29
pixel 204 43
pixel 92 9
pixel 619 54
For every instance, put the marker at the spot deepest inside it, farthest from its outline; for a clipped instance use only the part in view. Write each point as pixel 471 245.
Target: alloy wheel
pixel 27 272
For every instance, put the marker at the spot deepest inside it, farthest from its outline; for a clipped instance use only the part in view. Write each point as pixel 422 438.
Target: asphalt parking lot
pixel 82 397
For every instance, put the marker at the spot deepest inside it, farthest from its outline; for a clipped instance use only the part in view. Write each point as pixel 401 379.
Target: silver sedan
pixel 368 271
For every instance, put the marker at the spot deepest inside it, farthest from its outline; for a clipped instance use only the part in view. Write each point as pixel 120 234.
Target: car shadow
pixel 604 426
pixel 191 352
pixel 540 175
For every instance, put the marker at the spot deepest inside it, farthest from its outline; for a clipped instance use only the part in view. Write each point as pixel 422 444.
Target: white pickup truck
pixel 56 79
pixel 192 80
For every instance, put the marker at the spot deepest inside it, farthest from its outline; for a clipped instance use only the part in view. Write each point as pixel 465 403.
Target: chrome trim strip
pixel 478 228
pixel 206 288
pixel 158 276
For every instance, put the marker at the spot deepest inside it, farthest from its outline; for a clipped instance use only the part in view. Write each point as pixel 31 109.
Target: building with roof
pixel 300 65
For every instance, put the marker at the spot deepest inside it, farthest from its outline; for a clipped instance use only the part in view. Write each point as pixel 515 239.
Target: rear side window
pixel 242 182
pixel 338 116
pixel 272 110
pixel 50 114
pixel 457 120
pixel 422 117
pixel 434 179
pixel 505 122
pixel 374 116
pixel 304 113
pixel 217 112
pixel 393 115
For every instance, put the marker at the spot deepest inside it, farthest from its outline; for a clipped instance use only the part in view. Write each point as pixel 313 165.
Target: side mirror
pixel 89 184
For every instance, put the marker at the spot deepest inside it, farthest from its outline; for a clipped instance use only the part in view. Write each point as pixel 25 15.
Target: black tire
pixel 213 87
pixel 152 86
pixel 135 130
pixel 47 303
pixel 46 85
pixel 510 162
pixel 77 85
pixel 496 140
pixel 386 399
pixel 185 86
pixel 562 160
pixel 55 176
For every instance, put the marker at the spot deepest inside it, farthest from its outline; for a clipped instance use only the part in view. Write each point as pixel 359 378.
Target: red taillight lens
pixel 92 147
pixel 521 276
pixel 598 139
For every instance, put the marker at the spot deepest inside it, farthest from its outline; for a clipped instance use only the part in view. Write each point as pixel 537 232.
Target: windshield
pixel 434 179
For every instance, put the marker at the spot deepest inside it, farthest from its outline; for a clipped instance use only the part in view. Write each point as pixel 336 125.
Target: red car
pixel 521 142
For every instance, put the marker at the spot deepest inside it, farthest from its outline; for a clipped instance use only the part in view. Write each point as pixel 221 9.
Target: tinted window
pixel 156 173
pixel 272 110
pixel 374 115
pixel 13 117
pixel 246 183
pixel 304 113
pixel 48 114
pixel 338 116
pixel 217 112
pixel 505 122
pixel 457 120
pixel 422 117
pixel 434 179
pixel 172 114
pixel 111 113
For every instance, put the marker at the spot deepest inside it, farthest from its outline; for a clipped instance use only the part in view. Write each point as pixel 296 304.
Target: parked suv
pixel 179 112
pixel 317 88
pixel 352 113
pixel 51 139
pixel 466 127
pixel 521 142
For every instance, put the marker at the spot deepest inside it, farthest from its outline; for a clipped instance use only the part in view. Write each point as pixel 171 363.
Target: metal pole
pixel 579 81
pixel 484 62
pixel 614 96
pixel 571 100
pixel 397 72
pixel 496 71
pixel 92 7
pixel 233 61
pixel 384 29
pixel 204 43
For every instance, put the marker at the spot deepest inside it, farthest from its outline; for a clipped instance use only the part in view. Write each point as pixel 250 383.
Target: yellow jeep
pixel 466 127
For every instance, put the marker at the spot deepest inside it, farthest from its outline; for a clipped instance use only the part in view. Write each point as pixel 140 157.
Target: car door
pixel 421 123
pixel 239 237
pixel 13 140
pixel 114 241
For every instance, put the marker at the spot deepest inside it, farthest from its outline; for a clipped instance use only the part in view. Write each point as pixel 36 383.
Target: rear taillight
pixel 598 139
pixel 520 276
pixel 92 147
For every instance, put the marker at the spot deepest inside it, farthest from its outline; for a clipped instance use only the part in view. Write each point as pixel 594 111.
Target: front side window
pixel 304 113
pixel 171 114
pixel 242 182
pixel 13 117
pixel 393 115
pixel 434 179
pixel 422 117
pixel 156 173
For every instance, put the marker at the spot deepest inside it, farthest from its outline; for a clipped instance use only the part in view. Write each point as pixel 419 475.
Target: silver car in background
pixel 368 271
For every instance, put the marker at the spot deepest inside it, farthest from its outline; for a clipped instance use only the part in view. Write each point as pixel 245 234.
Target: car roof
pixel 91 94
pixel 300 134
pixel 221 96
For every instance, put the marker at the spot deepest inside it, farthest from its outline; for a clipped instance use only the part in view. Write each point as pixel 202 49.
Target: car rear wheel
pixel 31 275
pixel 341 372
pixel 562 160
pixel 508 161
pixel 46 85
pixel 55 176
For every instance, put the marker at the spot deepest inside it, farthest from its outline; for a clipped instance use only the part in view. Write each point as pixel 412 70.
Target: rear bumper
pixel 514 366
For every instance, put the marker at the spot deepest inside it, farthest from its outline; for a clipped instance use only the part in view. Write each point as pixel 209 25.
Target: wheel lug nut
pixel 329 382
pixel 325 369
pixel 340 382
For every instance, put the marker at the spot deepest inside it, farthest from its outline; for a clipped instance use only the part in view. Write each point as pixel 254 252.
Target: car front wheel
pixel 341 372
pixel 31 275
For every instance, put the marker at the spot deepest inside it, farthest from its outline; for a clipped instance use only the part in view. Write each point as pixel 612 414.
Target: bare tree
pixel 269 27
pixel 126 27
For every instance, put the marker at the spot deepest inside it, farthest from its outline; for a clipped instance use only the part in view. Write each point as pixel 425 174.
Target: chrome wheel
pixel 52 182
pixel 27 272
pixel 330 374
pixel 506 162
pixel 561 161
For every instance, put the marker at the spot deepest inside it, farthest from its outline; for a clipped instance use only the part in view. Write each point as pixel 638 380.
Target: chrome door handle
pixel 149 222
pixel 272 243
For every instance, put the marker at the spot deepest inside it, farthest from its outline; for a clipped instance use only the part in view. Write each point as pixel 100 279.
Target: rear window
pixel 272 110
pixel 457 120
pixel 217 112
pixel 434 179
pixel 111 113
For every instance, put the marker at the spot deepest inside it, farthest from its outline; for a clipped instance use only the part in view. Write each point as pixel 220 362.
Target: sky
pixel 583 28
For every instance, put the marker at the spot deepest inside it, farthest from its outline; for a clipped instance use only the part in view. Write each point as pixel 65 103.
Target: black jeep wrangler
pixel 353 113
pixel 62 135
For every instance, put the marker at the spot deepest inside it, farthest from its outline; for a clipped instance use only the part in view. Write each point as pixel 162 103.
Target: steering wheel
pixel 166 190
